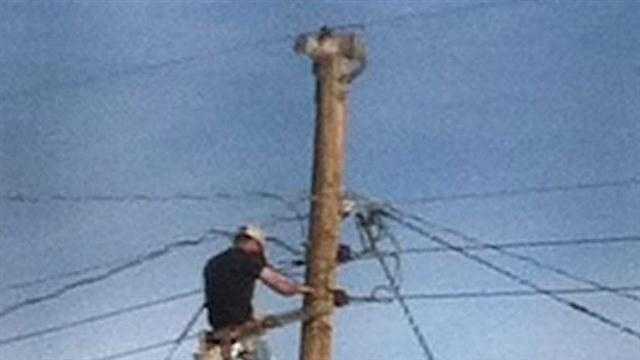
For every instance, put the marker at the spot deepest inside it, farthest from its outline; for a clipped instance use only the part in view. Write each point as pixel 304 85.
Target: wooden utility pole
pixel 337 59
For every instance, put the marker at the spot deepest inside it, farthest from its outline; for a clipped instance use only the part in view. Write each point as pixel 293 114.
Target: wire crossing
pixel 365 225
pixel 215 197
pixel 138 261
pixel 606 240
pixel 377 253
pixel 367 255
pixel 516 278
pixel 509 245
pixel 268 323
pixel 460 295
pixel 125 261
pixel 291 205
pixel 525 258
pixel 184 333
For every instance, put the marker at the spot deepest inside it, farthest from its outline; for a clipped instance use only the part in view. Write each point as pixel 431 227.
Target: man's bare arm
pixel 281 284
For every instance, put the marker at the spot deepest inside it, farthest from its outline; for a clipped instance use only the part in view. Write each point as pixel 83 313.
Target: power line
pixel 508 293
pixel 462 295
pixel 465 295
pixel 144 349
pixel 293 250
pixel 275 321
pixel 18 197
pixel 606 240
pixel 441 248
pixel 532 244
pixel 129 260
pixel 247 45
pixel 290 205
pixel 144 68
pixel 61 275
pixel 184 333
pixel 100 317
pixel 138 261
pixel 517 192
pixel 365 229
pixel 516 278
pixel 302 217
pixel 521 191
pixel 525 258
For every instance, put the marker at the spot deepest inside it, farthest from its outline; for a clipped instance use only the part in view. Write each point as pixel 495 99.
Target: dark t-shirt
pixel 229 279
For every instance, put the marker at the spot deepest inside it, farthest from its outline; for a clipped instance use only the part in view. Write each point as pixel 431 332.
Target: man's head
pixel 251 239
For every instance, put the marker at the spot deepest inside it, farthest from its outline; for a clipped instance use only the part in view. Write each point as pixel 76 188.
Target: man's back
pixel 229 285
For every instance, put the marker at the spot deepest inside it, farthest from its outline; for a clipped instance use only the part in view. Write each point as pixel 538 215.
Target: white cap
pixel 254 232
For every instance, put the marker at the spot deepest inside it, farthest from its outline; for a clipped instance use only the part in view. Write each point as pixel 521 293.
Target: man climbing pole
pixel 230 278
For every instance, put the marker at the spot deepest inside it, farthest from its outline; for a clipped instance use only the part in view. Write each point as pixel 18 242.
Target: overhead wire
pixel 99 317
pixel 489 246
pixel 455 295
pixel 137 261
pixel 192 335
pixel 606 240
pixel 290 205
pixel 362 256
pixel 302 217
pixel 61 275
pixel 184 333
pixel 395 255
pixel 540 190
pixel 299 217
pixel 405 296
pixel 18 197
pixel 139 69
pixel 525 258
pixel 292 250
pixel 244 46
pixel 145 348
pixel 571 242
pixel 516 278
pixel 273 322
pixel 484 294
pixel 129 264
pixel 365 228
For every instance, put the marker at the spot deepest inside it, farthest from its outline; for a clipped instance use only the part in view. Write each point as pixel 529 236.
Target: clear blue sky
pixel 121 98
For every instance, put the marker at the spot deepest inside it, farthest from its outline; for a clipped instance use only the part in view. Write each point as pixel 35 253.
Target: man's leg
pixel 208 351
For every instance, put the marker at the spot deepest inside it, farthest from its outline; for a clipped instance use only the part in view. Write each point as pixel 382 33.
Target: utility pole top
pixel 328 43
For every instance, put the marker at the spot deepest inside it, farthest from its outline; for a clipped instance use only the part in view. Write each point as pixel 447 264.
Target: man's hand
pixel 306 290
pixel 281 284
